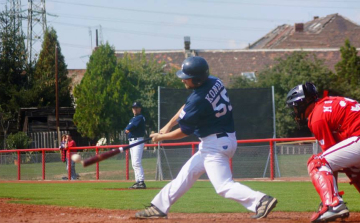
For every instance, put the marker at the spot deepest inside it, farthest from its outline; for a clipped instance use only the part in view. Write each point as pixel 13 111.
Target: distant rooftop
pixel 326 32
pixel 320 36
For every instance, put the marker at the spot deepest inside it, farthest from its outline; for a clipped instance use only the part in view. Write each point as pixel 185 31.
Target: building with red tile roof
pixel 320 36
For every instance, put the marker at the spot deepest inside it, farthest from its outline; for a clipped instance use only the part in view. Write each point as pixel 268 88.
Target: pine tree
pixel 44 75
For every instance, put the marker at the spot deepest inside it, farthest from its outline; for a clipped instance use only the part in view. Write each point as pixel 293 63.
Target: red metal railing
pixel 192 144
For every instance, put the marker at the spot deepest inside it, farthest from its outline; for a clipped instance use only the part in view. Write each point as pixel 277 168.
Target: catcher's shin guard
pixel 324 182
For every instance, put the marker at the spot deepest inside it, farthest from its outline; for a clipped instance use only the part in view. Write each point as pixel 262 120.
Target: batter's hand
pixel 156 137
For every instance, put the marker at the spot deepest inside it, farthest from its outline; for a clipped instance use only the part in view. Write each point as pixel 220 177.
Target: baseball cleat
pixel 138 185
pixel 265 205
pixel 150 212
pixel 332 213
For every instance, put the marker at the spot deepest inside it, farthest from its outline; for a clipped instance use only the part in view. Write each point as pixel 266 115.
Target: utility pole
pixel 90 34
pixel 57 94
pixel 101 38
pixel 97 39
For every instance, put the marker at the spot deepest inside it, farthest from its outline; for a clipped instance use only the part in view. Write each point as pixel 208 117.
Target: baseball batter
pixel 335 123
pixel 136 131
pixel 207 113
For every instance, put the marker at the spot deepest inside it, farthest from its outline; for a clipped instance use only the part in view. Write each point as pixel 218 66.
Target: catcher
pixel 335 123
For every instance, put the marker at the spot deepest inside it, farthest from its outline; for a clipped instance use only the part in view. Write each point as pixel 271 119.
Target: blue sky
pixel 162 25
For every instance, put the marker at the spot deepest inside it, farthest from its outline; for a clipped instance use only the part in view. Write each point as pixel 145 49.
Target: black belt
pixel 220 135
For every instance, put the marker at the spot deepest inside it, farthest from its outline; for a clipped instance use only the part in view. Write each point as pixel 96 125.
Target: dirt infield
pixel 10 212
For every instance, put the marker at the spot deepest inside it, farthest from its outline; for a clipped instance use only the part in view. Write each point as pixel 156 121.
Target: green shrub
pixel 18 141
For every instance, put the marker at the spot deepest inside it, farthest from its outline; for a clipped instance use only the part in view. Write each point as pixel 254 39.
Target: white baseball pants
pixel 213 158
pixel 136 156
pixel 344 154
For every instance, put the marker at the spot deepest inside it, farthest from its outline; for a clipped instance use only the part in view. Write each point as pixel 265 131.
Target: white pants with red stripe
pixel 213 158
pixel 344 154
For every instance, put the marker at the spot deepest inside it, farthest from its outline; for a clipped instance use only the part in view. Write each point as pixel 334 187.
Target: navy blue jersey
pixel 136 126
pixel 207 110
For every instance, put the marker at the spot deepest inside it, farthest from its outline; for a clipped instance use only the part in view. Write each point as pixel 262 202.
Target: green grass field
pixel 111 169
pixel 292 196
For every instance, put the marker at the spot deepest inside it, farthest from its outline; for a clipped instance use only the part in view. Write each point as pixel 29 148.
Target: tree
pixel 146 74
pixel 13 82
pixel 242 82
pixel 348 71
pixel 103 97
pixel 44 74
pixel 297 68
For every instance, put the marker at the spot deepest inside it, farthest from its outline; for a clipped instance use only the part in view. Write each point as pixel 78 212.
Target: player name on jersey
pixel 214 90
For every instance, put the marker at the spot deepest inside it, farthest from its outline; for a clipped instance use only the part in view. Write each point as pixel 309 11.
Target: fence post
pixel 231 165
pixel 127 164
pixel 43 164
pixel 97 164
pixel 271 160
pixel 19 163
pixel 68 163
pixel 192 149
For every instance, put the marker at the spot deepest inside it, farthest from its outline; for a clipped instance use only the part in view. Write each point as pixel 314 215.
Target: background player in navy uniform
pixel 207 113
pixel 135 131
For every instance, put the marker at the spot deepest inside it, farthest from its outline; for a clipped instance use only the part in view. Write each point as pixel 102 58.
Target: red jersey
pixel 71 143
pixel 334 119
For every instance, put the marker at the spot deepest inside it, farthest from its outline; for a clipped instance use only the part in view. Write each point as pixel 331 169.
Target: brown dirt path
pixel 10 212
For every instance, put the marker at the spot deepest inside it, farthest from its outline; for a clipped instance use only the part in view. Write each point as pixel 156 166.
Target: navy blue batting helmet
pixel 136 104
pixel 194 67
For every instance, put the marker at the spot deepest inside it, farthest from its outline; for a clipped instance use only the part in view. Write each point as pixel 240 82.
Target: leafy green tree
pixel 348 71
pixel 44 74
pixel 146 74
pixel 103 96
pixel 242 82
pixel 297 68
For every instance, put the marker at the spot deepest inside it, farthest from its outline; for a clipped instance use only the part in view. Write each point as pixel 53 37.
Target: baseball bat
pixel 106 155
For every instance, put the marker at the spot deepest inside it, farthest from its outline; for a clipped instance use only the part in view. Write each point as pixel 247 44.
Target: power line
pixel 172 36
pixel 140 33
pixel 172 13
pixel 149 34
pixel 197 26
pixel 278 5
pixel 74 45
